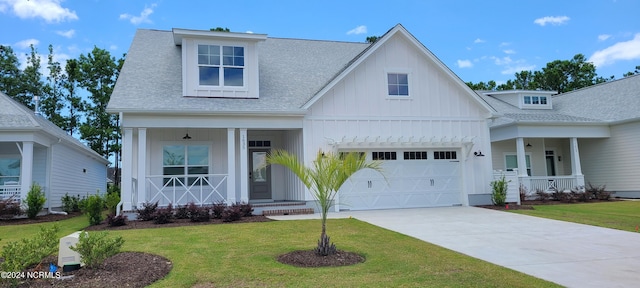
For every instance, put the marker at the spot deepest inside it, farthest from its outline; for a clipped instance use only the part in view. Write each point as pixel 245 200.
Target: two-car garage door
pixel 414 178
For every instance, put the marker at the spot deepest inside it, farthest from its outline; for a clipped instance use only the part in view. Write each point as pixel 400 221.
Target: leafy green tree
pixel 30 80
pixel 74 103
pixel 10 73
pixel 220 29
pixel 98 72
pixel 323 179
pixel 491 85
pixel 566 75
pixel 52 102
pixel 372 39
pixel 635 72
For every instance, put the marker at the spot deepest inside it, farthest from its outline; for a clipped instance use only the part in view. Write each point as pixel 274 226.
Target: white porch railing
pixel 6 191
pixel 204 189
pixel 552 183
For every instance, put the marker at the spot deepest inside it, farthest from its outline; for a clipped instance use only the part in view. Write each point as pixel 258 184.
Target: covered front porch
pixel 21 164
pixel 206 165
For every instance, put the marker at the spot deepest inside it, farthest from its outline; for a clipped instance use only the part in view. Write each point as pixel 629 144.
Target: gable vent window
pixel 221 65
pixel 398 84
pixel 445 155
pixel 383 155
pixel 417 155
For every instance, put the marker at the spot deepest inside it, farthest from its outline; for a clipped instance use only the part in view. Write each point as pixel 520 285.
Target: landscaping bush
pixel 21 254
pixel 163 215
pixel 217 209
pixel 523 193
pixel 96 247
pixel 182 212
pixel 35 201
pixel 82 204
pixel 94 208
pixel 499 191
pixel 70 204
pixel 198 213
pixel 111 201
pixel 10 207
pixel 599 192
pixel 147 211
pixel 114 221
pixel 246 209
pixel 231 213
pixel 542 195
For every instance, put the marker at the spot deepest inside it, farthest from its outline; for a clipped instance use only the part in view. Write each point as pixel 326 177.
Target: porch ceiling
pixel 549 130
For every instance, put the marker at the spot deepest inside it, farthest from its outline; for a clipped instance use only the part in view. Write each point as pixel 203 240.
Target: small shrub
pixel 198 213
pixel 231 213
pixel 147 211
pixel 499 191
pixel 70 204
pixel 599 192
pixel 542 195
pixel 246 209
pixel 114 221
pixel 111 201
pixel 523 193
pixel 21 254
pixel 217 209
pixel 82 204
pixel 96 247
pixel 35 201
pixel 94 208
pixel 10 207
pixel 182 212
pixel 163 215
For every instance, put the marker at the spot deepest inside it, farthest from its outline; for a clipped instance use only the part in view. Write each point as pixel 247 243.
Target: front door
pixel 260 175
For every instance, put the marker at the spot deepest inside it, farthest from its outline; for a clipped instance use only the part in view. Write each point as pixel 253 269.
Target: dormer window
pixel 535 100
pixel 221 65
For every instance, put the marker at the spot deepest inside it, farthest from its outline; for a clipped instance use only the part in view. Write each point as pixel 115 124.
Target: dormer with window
pixel 219 64
pixel 525 99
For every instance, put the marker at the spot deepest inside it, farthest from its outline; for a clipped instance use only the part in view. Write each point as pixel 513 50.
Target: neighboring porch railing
pixel 6 191
pixel 552 183
pixel 203 189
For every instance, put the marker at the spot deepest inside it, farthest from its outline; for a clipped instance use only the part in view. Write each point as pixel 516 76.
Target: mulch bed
pixel 528 204
pixel 308 258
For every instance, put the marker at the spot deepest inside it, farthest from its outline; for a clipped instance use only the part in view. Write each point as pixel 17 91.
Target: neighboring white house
pixel 200 109
pixel 568 140
pixel 32 149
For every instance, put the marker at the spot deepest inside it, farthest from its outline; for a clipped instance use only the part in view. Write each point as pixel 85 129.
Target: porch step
pixel 295 211
pixel 282 208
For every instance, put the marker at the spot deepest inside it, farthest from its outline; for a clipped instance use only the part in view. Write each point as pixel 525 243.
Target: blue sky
pixel 478 40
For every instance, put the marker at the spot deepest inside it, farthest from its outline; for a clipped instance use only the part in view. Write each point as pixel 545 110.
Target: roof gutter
pixel 292 113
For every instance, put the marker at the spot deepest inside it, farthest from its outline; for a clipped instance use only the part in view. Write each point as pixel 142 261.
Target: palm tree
pixel 323 179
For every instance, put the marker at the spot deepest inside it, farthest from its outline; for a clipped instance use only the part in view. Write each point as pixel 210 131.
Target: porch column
pixel 142 167
pixel 576 168
pixel 26 169
pixel 127 169
pixel 231 165
pixel 522 160
pixel 244 167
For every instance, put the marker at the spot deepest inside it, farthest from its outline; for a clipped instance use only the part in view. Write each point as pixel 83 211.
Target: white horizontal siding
pixel 74 173
pixel 613 161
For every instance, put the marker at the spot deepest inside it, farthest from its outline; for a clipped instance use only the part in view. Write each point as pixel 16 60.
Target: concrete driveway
pixel 572 255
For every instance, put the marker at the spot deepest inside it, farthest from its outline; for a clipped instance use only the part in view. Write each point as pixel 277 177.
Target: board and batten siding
pixel 74 173
pixel 437 106
pixel 613 161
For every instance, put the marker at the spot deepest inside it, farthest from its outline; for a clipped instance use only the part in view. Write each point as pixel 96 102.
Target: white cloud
pixel 358 30
pixel 553 20
pixel 511 70
pixel 67 34
pixel 509 51
pixel 113 47
pixel 501 61
pixel 603 37
pixel 24 44
pixel 464 64
pixel 478 40
pixel 143 18
pixel 49 10
pixel 504 44
pixel 627 50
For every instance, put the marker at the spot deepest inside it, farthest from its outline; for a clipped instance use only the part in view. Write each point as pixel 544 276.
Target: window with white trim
pixel 186 162
pixel 511 162
pixel 384 156
pixel 9 170
pixel 535 100
pixel 398 84
pixel 445 155
pixel 220 65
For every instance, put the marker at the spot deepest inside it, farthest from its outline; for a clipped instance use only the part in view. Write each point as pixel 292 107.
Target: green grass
pixel 622 215
pixel 244 255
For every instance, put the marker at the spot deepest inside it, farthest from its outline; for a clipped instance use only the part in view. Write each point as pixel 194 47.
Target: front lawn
pixel 243 255
pixel 622 215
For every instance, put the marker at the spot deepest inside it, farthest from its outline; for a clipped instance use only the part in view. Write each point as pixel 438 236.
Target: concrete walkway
pixel 572 255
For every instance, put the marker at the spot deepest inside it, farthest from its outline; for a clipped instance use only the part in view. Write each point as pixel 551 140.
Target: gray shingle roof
pixel 291 72
pixel 613 101
pixel 15 116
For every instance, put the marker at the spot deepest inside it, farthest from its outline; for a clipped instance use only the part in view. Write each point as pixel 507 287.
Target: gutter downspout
pixel 49 180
